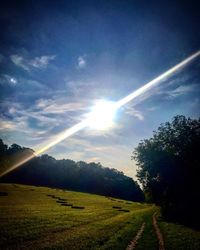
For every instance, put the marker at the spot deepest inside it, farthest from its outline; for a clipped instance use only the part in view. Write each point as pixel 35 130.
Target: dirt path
pixel 133 243
pixel 158 233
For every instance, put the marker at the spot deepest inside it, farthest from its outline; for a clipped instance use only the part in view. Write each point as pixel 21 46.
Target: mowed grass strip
pixel 99 234
pixel 32 219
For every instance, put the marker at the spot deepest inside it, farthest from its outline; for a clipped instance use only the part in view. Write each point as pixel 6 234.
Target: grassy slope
pixel 29 219
pixel 179 237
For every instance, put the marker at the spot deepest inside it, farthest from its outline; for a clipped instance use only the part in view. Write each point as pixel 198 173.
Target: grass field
pixel 45 218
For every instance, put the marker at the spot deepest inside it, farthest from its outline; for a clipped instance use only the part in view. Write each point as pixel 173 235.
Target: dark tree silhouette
pixel 81 176
pixel 169 167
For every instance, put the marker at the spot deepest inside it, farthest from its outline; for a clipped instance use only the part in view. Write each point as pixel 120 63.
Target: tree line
pixel 169 169
pixel 45 170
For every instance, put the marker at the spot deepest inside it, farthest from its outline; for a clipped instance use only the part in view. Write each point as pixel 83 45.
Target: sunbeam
pixel 103 113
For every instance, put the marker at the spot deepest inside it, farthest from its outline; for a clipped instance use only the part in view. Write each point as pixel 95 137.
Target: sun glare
pixel 102 115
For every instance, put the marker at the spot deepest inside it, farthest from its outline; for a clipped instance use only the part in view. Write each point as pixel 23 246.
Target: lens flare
pixel 156 80
pixel 102 114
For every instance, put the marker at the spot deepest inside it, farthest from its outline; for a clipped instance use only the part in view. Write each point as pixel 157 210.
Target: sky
pixel 58 58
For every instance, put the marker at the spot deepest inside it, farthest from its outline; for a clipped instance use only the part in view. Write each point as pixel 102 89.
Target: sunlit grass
pixel 31 219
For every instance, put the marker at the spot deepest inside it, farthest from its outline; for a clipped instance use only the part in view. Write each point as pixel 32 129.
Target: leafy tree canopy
pixel 168 168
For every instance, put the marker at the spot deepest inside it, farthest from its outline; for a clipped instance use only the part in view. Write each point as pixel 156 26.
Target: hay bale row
pixel 121 209
pixel 3 194
pixel 116 207
pixel 78 207
pixel 124 210
pixel 64 202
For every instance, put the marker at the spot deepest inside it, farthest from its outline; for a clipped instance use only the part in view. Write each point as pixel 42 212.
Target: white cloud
pixel 181 90
pixel 51 106
pixel 40 120
pixel 19 61
pixel 48 114
pixel 37 62
pixel 136 113
pixel 41 62
pixel 81 62
pixel 7 125
pixel 19 125
pixel 18 130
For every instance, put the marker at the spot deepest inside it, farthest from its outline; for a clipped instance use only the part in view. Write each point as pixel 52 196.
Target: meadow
pixel 45 218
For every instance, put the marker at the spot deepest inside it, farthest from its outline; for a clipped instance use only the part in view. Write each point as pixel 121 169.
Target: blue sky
pixel 57 58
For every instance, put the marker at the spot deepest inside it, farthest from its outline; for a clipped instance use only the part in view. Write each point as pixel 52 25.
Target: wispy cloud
pixel 20 62
pixel 81 62
pixel 80 88
pixel 41 62
pixel 181 90
pixel 7 125
pixel 135 113
pixel 45 118
pixel 151 109
pixel 52 106
pixel 8 79
pixel 30 83
pixel 26 123
pixel 22 83
pixel 37 62
pixel 172 93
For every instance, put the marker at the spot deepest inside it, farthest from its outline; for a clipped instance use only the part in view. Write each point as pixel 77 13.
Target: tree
pixel 45 170
pixel 3 148
pixel 168 168
pixel 3 158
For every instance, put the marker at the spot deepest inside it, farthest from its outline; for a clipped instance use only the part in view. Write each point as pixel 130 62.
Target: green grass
pixel 179 237
pixel 30 219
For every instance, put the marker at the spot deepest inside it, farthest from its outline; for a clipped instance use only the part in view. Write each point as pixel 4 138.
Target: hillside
pixel 43 218
pixel 81 176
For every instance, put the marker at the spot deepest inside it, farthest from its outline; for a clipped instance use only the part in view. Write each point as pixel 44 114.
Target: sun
pixel 102 115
